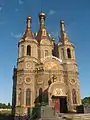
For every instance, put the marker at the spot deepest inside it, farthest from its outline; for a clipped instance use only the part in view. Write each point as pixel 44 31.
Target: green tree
pixel 9 106
pixel 86 100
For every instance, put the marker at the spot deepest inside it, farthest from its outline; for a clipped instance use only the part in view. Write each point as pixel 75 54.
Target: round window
pixel 28 80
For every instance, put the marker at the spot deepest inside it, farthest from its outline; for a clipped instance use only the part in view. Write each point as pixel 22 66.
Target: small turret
pixel 42 33
pixel 65 47
pixel 42 18
pixel 64 37
pixel 28 33
pixel 62 25
pixel 29 21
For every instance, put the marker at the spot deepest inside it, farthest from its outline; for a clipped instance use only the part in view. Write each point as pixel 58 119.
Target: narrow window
pixel 29 50
pixel 74 96
pixel 68 53
pixel 19 96
pixel 43 32
pixel 28 97
pixel 46 53
pixel 40 95
pixel 62 53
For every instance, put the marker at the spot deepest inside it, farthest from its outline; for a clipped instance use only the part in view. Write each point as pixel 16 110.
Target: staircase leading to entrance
pixel 48 113
pixel 69 117
pixel 57 116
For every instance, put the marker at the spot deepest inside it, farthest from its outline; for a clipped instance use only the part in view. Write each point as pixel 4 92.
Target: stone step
pixel 53 118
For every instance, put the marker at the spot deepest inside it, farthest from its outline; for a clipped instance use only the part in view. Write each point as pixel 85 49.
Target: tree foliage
pixel 3 105
pixel 86 100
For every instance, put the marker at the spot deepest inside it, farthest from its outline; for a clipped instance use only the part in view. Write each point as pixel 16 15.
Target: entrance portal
pixel 60 103
pixel 63 105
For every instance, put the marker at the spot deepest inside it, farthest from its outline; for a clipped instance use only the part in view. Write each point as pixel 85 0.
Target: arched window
pixel 29 50
pixel 74 96
pixel 68 52
pixel 43 32
pixel 19 96
pixel 28 97
pixel 62 53
pixel 40 95
pixel 46 53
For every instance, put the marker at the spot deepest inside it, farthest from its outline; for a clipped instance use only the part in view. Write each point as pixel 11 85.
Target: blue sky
pixel 13 13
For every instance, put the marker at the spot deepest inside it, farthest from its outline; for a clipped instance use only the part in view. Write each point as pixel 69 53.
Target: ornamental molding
pixel 50 57
pixel 27 80
pixel 58 92
pixel 57 84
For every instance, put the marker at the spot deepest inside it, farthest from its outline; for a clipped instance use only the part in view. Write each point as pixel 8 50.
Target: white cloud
pixel 20 2
pixel 16 35
pixel 51 12
pixel 16 9
pixel 2 4
pixel 0 8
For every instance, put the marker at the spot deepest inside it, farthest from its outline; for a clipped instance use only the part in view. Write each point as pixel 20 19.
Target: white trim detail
pixel 50 57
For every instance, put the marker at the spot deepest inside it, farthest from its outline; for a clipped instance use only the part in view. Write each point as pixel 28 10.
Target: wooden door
pixel 63 103
pixel 56 104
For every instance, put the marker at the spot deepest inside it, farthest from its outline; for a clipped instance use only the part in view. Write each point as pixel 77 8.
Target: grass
pixel 5 115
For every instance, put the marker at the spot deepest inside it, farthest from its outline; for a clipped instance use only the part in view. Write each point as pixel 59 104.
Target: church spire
pixel 42 18
pixel 29 21
pixel 64 37
pixel 42 33
pixel 28 33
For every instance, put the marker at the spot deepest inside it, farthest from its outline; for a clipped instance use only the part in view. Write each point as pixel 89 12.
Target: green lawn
pixel 5 115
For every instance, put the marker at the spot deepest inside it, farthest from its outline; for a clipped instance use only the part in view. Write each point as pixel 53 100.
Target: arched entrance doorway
pixel 60 103
pixel 58 97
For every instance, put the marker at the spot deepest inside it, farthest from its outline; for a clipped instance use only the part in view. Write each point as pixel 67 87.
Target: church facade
pixel 46 72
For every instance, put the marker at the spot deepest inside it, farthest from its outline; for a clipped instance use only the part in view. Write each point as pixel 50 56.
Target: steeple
pixel 28 33
pixel 42 18
pixel 64 37
pixel 42 33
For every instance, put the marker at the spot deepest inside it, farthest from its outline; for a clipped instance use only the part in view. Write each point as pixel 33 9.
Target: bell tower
pixel 66 48
pixel 27 58
pixel 27 47
pixel 66 52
